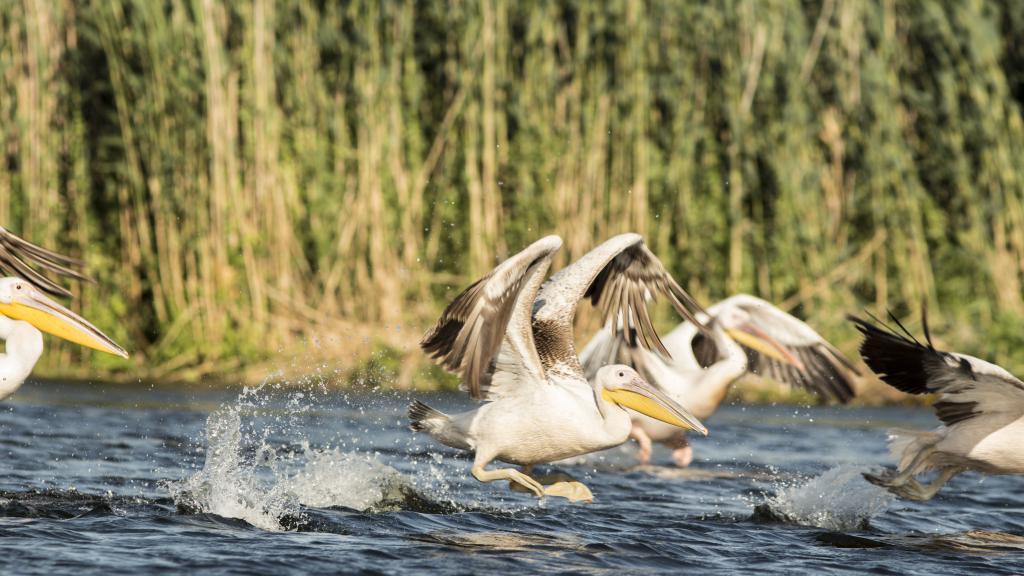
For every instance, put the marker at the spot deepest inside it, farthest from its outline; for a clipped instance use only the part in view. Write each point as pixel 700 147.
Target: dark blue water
pixel 134 480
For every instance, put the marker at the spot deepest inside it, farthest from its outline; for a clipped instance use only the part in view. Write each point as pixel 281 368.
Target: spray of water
pixel 254 472
pixel 838 499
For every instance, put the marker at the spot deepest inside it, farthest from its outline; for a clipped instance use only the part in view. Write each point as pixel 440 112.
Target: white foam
pixel 839 499
pixel 336 478
pixel 248 477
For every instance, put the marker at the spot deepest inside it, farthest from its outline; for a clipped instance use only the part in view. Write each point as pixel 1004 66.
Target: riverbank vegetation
pixel 296 185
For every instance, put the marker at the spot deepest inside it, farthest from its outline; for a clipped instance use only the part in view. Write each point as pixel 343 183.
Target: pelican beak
pixel 757 340
pixel 639 395
pixel 32 306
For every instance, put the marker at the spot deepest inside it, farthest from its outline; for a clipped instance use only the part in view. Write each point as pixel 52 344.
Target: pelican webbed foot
pixel 885 478
pixel 913 489
pixel 557 484
pixel 909 487
pixel 573 490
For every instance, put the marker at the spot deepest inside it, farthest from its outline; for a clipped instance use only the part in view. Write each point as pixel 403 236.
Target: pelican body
pixel 980 404
pixel 24 346
pixel 511 341
pixel 737 336
pixel 567 418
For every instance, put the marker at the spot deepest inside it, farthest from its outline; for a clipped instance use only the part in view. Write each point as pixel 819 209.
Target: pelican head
pixel 738 325
pixel 20 300
pixel 623 386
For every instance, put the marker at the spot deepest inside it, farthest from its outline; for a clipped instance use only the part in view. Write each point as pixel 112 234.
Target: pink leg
pixel 641 437
pixel 682 453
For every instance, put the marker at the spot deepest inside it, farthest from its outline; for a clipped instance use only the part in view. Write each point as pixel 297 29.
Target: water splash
pixel 254 473
pixel 838 499
pixel 227 485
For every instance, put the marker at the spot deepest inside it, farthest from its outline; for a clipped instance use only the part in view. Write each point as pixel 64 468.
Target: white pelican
pixel 747 334
pixel 25 311
pixel 981 407
pixel 511 340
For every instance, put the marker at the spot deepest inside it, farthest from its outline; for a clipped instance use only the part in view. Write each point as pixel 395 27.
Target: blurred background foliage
pixel 257 184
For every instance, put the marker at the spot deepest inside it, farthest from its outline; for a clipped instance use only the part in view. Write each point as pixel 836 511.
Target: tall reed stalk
pixel 244 178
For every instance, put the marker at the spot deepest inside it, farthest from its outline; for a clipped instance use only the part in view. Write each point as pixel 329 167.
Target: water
pixel 132 479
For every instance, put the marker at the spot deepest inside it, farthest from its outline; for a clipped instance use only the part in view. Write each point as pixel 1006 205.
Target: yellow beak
pixel 650 401
pixel 762 343
pixel 32 306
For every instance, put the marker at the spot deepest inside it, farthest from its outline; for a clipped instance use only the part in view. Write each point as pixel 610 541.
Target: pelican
pixel 980 404
pixel 744 334
pixel 511 341
pixel 26 312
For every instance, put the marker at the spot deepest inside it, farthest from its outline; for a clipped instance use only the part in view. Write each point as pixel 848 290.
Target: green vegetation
pixel 261 182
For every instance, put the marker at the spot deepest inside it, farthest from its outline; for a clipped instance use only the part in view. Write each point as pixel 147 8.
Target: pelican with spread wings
pixel 26 311
pixel 511 341
pixel 741 334
pixel 980 404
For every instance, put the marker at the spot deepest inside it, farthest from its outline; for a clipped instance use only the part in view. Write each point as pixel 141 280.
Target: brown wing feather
pixel 18 256
pixel 621 289
pixel 826 373
pixel 472 329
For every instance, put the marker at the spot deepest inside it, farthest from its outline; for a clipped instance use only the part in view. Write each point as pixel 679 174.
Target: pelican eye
pixel 622 374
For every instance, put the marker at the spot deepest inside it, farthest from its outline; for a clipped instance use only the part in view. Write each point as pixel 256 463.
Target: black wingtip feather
pixel 924 324
pixel 898 360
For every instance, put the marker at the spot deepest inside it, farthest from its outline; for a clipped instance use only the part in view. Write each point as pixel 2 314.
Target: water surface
pixel 135 479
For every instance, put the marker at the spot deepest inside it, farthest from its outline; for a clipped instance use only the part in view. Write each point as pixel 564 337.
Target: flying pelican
pixel 26 312
pixel 747 334
pixel 981 407
pixel 511 340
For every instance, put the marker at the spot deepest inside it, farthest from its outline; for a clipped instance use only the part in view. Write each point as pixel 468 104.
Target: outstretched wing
pixel 485 335
pixel 619 277
pixel 826 371
pixel 18 256
pixel 967 386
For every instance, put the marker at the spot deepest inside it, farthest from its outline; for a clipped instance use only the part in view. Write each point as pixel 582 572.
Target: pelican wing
pixel 485 335
pixel 827 372
pixel 18 256
pixel 967 386
pixel 619 277
pixel 606 348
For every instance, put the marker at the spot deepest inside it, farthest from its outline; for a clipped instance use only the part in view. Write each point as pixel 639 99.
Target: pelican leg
pixel 919 460
pixel 682 452
pixel 944 476
pixel 510 474
pixel 637 433
pixel 908 489
pixel 527 471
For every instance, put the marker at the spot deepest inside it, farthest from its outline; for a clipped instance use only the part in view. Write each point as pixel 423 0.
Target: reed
pixel 286 182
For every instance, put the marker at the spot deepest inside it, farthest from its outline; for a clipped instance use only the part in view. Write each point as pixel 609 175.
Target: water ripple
pixel 299 480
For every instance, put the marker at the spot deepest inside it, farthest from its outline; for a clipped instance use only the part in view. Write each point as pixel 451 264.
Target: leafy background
pixel 302 185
